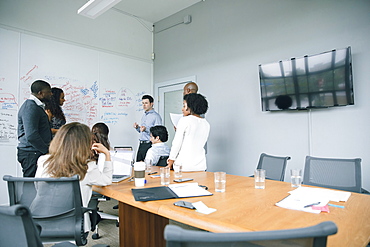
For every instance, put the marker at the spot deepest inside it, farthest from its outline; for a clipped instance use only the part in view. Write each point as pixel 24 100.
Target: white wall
pixel 111 31
pixel 223 47
pixel 121 45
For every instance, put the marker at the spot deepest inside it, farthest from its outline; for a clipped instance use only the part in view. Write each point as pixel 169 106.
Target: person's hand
pixel 136 125
pixel 170 163
pixel 50 115
pixel 100 148
pixel 142 128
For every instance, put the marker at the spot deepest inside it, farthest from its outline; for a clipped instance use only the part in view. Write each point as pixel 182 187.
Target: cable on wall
pixel 136 17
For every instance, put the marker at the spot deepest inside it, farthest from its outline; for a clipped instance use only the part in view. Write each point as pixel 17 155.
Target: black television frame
pixel 313 81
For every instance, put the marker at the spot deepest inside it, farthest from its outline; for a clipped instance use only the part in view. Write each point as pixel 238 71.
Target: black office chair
pixel 17 228
pixel 55 205
pixel 162 161
pixel 274 166
pixel 315 236
pixel 340 174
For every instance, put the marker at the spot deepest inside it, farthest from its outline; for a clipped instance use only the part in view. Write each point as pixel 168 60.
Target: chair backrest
pixel 55 205
pixel 341 174
pixel 309 236
pixel 162 161
pixel 274 166
pixel 17 227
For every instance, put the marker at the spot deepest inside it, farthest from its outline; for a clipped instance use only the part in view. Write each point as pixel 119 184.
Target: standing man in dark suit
pixel 34 133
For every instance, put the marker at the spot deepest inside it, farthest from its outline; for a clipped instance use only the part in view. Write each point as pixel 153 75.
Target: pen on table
pixel 337 206
pixel 312 204
pixel 152 173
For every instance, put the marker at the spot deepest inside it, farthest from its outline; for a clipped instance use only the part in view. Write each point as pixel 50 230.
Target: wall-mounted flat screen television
pixel 313 81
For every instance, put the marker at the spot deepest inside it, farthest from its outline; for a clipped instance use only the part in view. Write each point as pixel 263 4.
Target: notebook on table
pixel 169 192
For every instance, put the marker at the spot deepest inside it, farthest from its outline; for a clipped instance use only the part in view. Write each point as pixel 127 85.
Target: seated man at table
pixel 158 137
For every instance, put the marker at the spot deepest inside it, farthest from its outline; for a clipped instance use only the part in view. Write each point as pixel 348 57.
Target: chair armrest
pixel 52 216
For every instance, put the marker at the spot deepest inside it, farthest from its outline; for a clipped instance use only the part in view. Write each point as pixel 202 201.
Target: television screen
pixel 314 81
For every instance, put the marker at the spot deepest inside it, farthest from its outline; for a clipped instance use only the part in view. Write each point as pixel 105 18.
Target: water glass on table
pixel 177 168
pixel 296 177
pixel 259 178
pixel 165 175
pixel 220 181
pixel 148 165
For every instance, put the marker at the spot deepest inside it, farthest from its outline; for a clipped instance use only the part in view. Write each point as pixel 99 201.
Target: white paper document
pixel 303 198
pixel 202 208
pixel 301 204
pixel 331 195
pixel 188 190
pixel 175 118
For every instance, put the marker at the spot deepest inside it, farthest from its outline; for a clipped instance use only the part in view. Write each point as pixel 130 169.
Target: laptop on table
pixel 122 165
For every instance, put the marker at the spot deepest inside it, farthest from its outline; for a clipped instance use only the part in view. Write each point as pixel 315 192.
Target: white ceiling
pixel 153 10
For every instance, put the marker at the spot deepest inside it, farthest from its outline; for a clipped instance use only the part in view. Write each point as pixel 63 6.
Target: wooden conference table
pixel 241 208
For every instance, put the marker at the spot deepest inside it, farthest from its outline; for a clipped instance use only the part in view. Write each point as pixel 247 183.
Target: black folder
pixel 160 193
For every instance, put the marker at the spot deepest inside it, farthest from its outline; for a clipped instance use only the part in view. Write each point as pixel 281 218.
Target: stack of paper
pixel 331 195
pixel 303 198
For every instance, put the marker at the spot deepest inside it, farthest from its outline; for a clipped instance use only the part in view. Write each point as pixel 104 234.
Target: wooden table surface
pixel 244 208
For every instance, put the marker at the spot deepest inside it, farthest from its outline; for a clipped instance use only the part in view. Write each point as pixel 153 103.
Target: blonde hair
pixel 70 150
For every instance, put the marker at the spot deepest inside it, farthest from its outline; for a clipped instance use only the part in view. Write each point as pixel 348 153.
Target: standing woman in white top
pixel 191 135
pixel 70 154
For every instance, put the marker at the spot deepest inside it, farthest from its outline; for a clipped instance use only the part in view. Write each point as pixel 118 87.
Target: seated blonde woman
pixel 70 154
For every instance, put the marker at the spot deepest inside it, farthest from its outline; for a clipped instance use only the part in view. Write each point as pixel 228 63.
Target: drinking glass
pixel 220 181
pixel 165 175
pixel 177 168
pixel 296 177
pixel 148 165
pixel 259 178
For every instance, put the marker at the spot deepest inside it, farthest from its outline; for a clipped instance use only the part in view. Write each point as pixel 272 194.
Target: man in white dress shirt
pixel 158 137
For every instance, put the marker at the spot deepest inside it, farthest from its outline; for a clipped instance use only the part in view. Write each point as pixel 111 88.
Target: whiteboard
pixel 9 50
pixel 98 87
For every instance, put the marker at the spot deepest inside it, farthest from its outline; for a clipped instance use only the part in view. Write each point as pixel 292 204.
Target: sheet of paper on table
pixel 188 190
pixel 300 198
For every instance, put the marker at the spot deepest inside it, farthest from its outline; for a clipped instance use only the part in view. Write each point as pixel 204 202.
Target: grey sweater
pixel 34 133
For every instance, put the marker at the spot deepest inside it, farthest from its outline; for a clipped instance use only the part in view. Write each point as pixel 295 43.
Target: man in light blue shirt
pixel 150 118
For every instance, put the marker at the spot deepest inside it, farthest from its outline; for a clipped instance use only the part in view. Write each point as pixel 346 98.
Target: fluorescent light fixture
pixel 94 8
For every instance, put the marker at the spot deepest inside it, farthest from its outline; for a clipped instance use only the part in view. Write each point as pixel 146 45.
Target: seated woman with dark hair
pixel 100 132
pixel 70 154
pixel 191 135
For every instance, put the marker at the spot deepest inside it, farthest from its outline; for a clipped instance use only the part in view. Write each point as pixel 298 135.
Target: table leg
pixel 140 228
